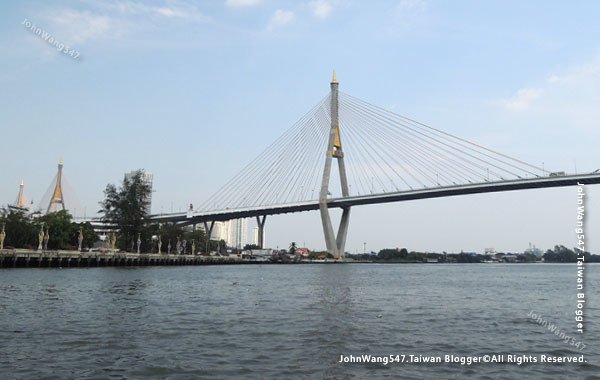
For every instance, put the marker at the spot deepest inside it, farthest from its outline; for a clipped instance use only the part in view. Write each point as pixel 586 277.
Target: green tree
pixel 21 231
pixel 251 246
pixel 293 248
pixel 393 254
pixel 167 232
pixel 560 254
pixel 219 246
pixel 126 208
pixel 199 236
pixel 90 237
pixel 60 228
pixel 315 255
pixel 170 231
pixel 526 257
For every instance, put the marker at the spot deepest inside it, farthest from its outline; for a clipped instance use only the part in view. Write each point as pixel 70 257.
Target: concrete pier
pixel 18 258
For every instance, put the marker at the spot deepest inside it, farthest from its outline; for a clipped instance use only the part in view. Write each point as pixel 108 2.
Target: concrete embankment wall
pixel 66 259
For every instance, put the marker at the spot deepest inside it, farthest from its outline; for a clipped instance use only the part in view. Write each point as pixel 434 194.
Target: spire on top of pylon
pixel 334 79
pixel 57 197
pixel 22 202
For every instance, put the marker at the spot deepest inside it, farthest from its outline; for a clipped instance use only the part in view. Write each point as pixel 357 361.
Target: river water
pixel 292 321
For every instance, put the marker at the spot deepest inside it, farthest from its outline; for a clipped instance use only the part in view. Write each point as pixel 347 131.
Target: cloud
pixel 280 18
pixel 242 3
pixel 80 26
pixel 576 86
pixel 112 20
pixel 321 8
pixel 566 100
pixel 522 100
pixel 170 10
pixel 577 74
pixel 408 17
pixel 412 5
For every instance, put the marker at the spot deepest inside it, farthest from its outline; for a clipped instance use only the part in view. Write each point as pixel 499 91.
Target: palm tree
pixel 293 248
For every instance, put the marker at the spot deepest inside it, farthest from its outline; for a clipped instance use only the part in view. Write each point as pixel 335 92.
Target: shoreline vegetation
pixel 559 254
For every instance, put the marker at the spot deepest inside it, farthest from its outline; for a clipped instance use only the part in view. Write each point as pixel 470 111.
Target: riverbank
pixel 66 259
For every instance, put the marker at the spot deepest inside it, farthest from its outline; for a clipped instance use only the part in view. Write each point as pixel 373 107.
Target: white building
pixel 234 232
pixel 255 237
pixel 220 231
pixel 238 233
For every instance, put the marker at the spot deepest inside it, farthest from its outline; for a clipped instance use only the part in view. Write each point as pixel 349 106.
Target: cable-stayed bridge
pixel 381 157
pixel 59 196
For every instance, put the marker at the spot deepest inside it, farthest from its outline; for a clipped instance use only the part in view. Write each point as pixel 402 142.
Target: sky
pixel 191 91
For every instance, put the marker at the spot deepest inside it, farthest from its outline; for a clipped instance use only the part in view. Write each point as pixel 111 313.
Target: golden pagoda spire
pixel 21 201
pixel 334 79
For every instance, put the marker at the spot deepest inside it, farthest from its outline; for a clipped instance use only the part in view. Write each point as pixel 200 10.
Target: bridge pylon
pixel 57 199
pixel 260 222
pixel 335 244
pixel 21 200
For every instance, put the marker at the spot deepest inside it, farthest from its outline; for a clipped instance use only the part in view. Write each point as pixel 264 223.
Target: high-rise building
pixel 255 237
pixel 238 233
pixel 233 232
pixel 147 178
pixel 220 231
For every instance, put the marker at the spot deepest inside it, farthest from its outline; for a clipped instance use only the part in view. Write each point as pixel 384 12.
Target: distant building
pixel 148 179
pixel 233 232
pixel 238 233
pixel 534 251
pixel 302 252
pixel 255 237
pixel 219 231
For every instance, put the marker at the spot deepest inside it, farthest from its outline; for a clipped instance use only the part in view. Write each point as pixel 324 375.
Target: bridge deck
pixel 447 191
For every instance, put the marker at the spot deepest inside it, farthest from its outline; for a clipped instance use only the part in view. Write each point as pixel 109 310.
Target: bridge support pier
pixel 335 244
pixel 261 230
pixel 208 230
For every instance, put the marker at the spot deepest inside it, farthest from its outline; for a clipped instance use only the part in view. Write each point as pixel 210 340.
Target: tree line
pixel 23 229
pixel 124 210
pixel 560 254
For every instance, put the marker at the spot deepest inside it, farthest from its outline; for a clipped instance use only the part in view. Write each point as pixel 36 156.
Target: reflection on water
pixel 285 321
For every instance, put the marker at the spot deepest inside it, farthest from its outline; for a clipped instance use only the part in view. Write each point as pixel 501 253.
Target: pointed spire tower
pixel 57 201
pixel 22 202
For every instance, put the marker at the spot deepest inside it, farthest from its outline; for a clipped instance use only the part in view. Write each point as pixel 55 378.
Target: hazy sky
pixel 193 90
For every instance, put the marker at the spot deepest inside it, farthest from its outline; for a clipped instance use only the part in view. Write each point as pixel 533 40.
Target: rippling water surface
pixel 289 321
